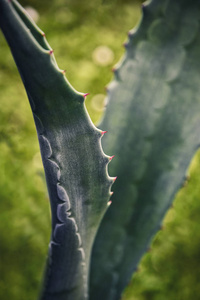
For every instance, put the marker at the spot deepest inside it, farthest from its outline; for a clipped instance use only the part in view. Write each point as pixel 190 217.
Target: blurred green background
pixel 87 39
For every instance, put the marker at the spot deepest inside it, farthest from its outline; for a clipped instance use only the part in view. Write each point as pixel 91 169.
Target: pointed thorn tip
pixel 109 203
pixel 111 157
pixel 43 34
pixel 64 71
pixel 86 94
pixel 111 193
pixel 115 178
pixel 51 51
pixel 103 132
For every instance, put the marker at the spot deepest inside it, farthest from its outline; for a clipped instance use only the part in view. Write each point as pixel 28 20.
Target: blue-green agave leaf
pixel 75 165
pixel 153 121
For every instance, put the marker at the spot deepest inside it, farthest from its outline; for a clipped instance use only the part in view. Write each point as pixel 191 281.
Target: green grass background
pixel 74 28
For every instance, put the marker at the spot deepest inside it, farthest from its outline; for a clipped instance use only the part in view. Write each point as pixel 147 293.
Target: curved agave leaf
pixel 153 121
pixel 75 165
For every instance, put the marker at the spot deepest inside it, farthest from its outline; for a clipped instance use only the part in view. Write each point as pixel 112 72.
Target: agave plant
pixel 98 238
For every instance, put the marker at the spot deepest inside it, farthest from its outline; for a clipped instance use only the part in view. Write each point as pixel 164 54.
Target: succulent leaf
pixel 75 165
pixel 153 122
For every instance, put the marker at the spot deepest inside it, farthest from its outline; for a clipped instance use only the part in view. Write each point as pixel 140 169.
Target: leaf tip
pixel 115 178
pixel 85 95
pixel 111 157
pixel 130 33
pixel 51 52
pixel 125 44
pixel 103 132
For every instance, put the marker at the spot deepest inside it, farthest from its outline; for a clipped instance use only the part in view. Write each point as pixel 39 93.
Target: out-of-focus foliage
pixel 75 29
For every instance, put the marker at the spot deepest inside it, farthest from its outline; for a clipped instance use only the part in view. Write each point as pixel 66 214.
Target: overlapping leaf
pixel 153 121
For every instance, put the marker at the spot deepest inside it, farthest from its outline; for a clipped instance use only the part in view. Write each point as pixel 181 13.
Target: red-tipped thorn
pixel 86 94
pixel 111 157
pixel 64 71
pixel 129 34
pixel 51 51
pixel 115 178
pixel 103 132
pixel 125 44
pixel 43 34
pixel 109 202
pixel 111 193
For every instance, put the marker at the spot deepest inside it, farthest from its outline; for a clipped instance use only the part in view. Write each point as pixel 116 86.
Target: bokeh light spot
pixel 103 56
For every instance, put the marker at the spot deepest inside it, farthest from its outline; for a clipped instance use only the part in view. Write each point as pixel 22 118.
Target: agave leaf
pixel 75 165
pixel 153 121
